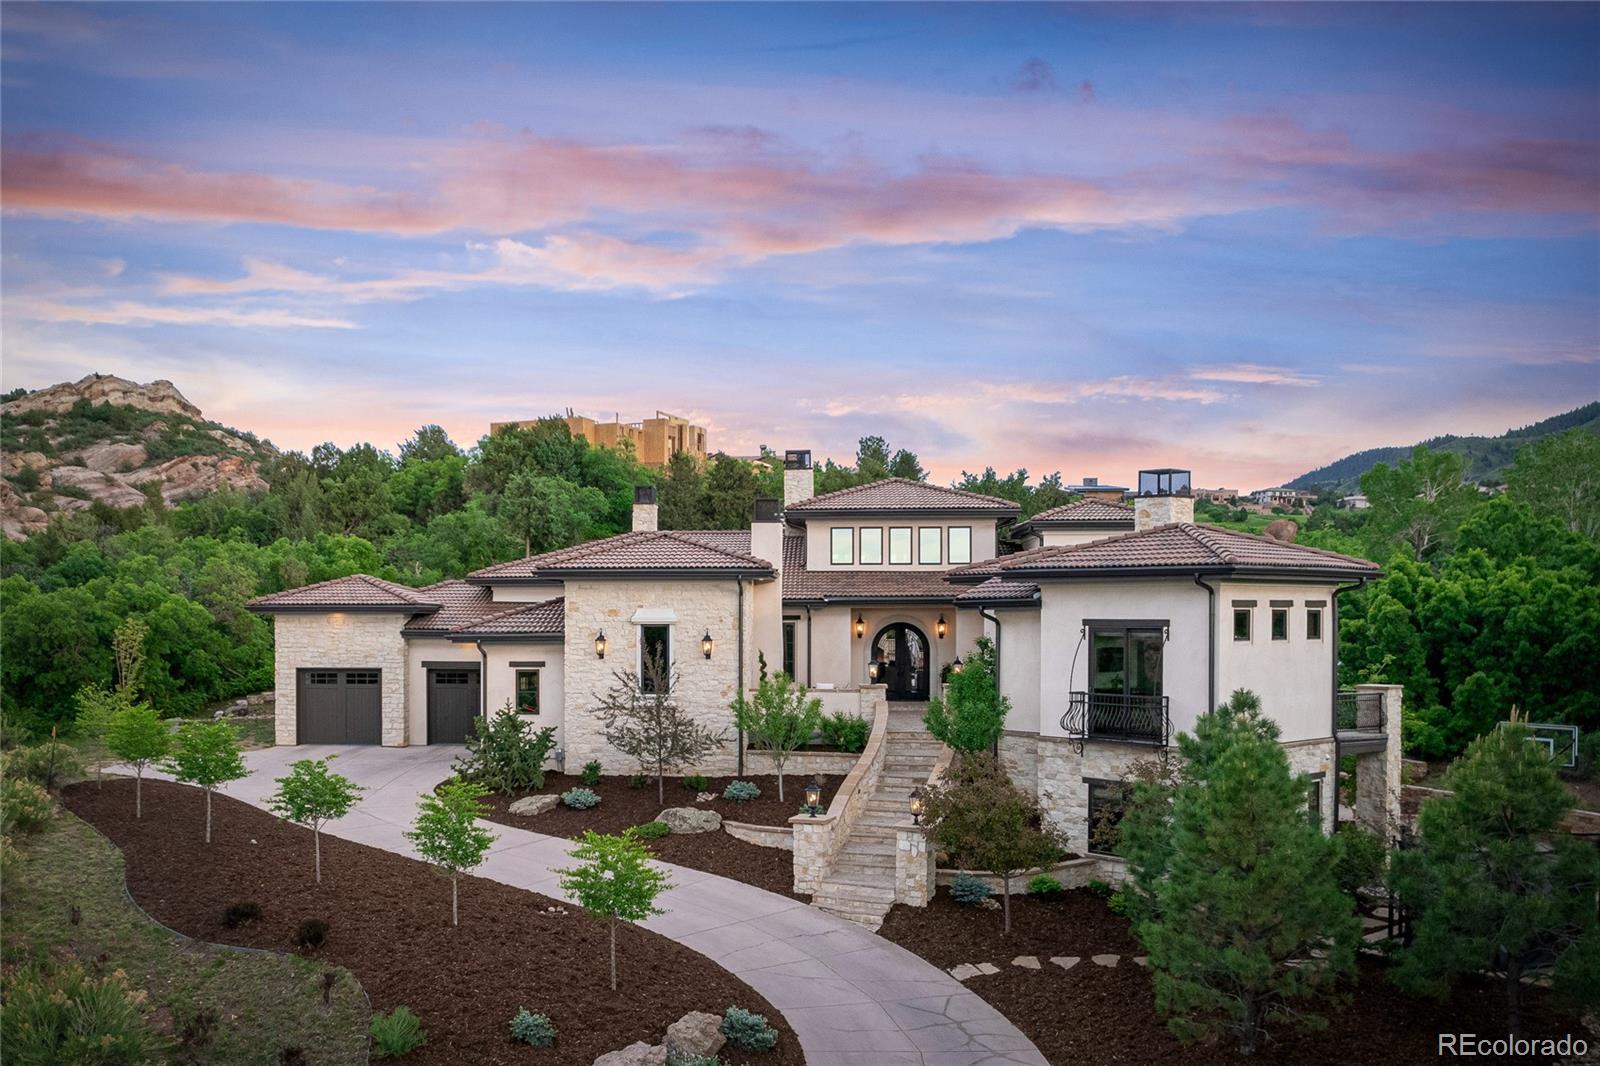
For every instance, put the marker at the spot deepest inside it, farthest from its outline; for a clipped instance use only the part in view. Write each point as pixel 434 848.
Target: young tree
pixel 650 727
pixel 97 706
pixel 987 823
pixel 974 715
pixel 615 881
pixel 1244 919
pixel 779 719
pixel 312 795
pixel 128 644
pixel 447 834
pixel 138 737
pixel 206 754
pixel 1494 885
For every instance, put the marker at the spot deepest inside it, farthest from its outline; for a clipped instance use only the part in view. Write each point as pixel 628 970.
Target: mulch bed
pixel 1095 1014
pixel 622 806
pixel 389 920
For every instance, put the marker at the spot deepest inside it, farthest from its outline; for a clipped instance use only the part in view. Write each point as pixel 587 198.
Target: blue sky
pixel 1081 238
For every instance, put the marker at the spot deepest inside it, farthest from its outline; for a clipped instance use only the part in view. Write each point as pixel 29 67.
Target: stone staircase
pixel 859 885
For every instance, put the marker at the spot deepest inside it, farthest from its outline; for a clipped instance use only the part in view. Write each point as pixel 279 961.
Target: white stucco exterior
pixel 819 533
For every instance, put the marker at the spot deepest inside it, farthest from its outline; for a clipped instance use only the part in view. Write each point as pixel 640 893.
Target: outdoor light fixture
pixel 916 805
pixel 814 793
pixel 706 644
pixel 872 670
pixel 955 667
pixel 600 644
pixel 861 626
pixel 940 628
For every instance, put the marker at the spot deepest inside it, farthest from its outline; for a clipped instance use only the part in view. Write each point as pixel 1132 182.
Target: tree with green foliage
pixel 642 719
pixel 1418 503
pixel 730 494
pixel 1494 885
pixel 1559 476
pixel 313 795
pixel 681 498
pixel 138 737
pixel 973 713
pixel 1233 889
pixel 206 754
pixel 549 512
pixel 97 707
pixel 778 719
pixel 447 834
pixel 505 753
pixel 614 880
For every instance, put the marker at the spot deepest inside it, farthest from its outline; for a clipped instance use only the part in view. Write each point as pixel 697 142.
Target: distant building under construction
pixel 655 440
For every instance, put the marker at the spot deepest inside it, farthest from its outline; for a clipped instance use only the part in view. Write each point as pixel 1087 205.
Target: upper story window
pixel 930 544
pixel 872 545
pixel 899 544
pixel 842 545
pixel 960 545
pixel 1280 623
pixel 655 658
pixel 1241 623
pixel 788 647
pixel 1313 623
pixel 528 691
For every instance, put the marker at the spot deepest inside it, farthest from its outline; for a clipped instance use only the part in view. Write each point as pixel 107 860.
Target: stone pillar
pixel 1152 511
pixel 799 481
pixel 1378 772
pixel 644 509
pixel 913 867
pixel 813 850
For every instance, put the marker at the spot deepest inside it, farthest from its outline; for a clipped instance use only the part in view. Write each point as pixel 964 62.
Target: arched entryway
pixel 900 652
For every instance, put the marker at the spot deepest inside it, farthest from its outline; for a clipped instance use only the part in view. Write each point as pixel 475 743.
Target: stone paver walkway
pixel 853 998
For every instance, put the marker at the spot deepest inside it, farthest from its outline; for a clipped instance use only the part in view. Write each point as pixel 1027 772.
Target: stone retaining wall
pixel 1072 873
pixel 817 839
pixel 767 836
pixel 802 764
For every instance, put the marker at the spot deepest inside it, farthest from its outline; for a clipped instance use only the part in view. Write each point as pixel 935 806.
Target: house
pixel 1222 497
pixel 1354 503
pixel 1291 498
pixel 1116 629
pixel 655 440
pixel 1092 489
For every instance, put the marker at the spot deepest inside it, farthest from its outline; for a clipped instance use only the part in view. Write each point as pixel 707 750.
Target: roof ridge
pixel 1065 508
pixel 391 587
pixel 677 535
pixel 517 608
pixel 1328 552
pixel 1201 536
pixel 905 481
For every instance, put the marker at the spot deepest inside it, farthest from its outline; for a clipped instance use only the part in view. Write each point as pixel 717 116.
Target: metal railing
pixel 1359 712
pixel 1113 716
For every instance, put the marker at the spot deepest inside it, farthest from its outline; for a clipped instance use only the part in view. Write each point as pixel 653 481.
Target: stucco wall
pixel 1050 538
pixel 524 593
pixel 344 641
pixel 1019 665
pixel 1293 677
pixel 499 684
pixel 840 658
pixel 819 555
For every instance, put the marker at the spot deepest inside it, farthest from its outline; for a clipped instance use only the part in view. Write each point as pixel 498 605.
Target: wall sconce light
pixel 940 627
pixel 916 805
pixel 955 667
pixel 872 671
pixel 814 793
pixel 706 644
pixel 861 626
pixel 600 644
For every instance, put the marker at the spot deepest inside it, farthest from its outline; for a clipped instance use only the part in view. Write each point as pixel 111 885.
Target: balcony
pixel 1126 719
pixel 1360 722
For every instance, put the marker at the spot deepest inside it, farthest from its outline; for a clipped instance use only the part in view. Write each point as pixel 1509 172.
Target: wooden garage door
pixel 340 706
pixel 452 704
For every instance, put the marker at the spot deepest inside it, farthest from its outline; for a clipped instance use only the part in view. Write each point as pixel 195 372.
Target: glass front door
pixel 900 655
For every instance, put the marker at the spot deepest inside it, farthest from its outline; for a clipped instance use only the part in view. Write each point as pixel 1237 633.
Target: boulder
pixel 695 1035
pixel 635 1054
pixel 112 457
pixel 528 806
pixel 160 396
pixel 690 820
pixel 1282 529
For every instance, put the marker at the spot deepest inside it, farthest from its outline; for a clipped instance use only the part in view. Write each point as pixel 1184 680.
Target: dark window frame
pixel 1279 624
pixel 833 545
pixel 861 551
pixel 1314 614
pixel 922 539
pixel 949 550
pixel 791 628
pixel 1126 629
pixel 1314 799
pixel 666 659
pixel 1248 617
pixel 516 689
pixel 910 545
pixel 1092 806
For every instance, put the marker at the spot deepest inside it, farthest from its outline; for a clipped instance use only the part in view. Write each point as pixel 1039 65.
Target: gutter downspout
pixel 1333 702
pixel 984 614
pixel 1211 643
pixel 483 681
pixel 738 583
pixel 810 681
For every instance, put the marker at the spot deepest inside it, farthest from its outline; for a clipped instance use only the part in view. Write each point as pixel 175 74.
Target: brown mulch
pixel 622 806
pixel 1094 1014
pixel 389 920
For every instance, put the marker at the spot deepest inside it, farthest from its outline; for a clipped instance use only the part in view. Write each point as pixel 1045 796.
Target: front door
pixel 900 652
pixel 452 704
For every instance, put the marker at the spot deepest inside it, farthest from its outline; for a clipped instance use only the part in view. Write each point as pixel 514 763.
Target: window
pixel 930 544
pixel 1280 623
pixel 1241 623
pixel 655 658
pixel 960 544
pixel 1313 623
pixel 322 677
pixel 528 691
pixel 788 648
pixel 452 677
pixel 363 677
pixel 1107 802
pixel 843 542
pixel 872 545
pixel 1314 800
pixel 899 544
pixel 1125 680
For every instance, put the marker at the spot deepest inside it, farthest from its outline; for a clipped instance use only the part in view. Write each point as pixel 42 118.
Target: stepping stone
pixel 1066 962
pixel 1027 962
pixel 988 968
pixel 964 971
pixel 1141 960
pixel 1106 960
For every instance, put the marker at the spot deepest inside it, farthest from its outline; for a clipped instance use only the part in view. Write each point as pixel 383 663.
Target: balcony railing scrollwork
pixel 1130 719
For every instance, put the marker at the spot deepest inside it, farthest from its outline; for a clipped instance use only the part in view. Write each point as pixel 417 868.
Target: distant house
pixel 655 440
pixel 1219 496
pixel 1354 503
pixel 1092 489
pixel 1292 498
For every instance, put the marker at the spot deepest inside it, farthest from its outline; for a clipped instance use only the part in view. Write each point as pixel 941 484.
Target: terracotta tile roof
pixel 729 540
pixel 651 550
pixel 468 608
pixel 1178 546
pixel 852 585
pixel 903 494
pixel 1088 512
pixel 547 619
pixel 357 592
pixel 999 590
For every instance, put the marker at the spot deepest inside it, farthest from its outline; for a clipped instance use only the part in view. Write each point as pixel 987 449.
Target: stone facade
pixel 1019 754
pixel 913 867
pixel 1064 777
pixel 1317 757
pixel 1378 773
pixel 346 641
pixel 817 840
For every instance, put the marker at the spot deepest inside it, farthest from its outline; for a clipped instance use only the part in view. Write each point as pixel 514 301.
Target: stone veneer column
pixel 913 867
pixel 1378 772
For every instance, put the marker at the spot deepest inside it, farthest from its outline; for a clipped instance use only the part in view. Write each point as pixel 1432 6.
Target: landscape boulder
pixel 635 1054
pixel 695 1035
pixel 528 806
pixel 690 820
pixel 1282 529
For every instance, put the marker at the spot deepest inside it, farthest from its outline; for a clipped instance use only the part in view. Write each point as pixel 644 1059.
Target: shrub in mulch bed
pixel 1096 1014
pixel 389 921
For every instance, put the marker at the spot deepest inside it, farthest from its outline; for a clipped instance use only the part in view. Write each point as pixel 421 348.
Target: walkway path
pixel 853 998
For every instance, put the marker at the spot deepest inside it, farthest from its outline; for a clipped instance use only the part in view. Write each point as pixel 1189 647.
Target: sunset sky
pixel 1247 240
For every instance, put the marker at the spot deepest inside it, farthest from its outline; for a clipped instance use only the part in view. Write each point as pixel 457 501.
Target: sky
pixel 1241 239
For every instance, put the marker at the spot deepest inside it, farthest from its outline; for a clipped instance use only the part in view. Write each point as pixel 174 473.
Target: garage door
pixel 452 704
pixel 340 706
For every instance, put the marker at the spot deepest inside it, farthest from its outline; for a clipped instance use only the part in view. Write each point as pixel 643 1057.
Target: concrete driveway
pixel 852 997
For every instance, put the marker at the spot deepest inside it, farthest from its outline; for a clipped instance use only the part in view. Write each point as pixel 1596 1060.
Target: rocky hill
pixel 110 440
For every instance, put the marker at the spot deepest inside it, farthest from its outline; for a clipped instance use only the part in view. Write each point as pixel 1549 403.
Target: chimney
pixel 644 508
pixel 799 484
pixel 766 532
pixel 1163 498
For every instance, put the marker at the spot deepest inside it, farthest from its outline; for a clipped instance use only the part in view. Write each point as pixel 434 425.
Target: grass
pixel 262 1003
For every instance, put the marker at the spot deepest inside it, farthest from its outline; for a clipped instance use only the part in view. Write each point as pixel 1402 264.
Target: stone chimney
pixel 1163 498
pixel 644 508
pixel 799 483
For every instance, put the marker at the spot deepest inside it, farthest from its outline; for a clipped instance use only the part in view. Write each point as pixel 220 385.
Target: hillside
pixel 114 441
pixel 1486 457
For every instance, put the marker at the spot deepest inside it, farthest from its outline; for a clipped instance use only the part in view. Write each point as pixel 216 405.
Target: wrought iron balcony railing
pixel 1107 716
pixel 1359 712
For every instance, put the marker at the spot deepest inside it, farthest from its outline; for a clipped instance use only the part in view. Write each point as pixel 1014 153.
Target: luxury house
pixel 1116 626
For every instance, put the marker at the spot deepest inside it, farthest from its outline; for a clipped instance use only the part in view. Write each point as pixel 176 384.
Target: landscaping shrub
pixel 973 714
pixel 700 1060
pixel 580 799
pixel 695 782
pixel 591 773
pixel 9 855
pixel 239 914
pixel 45 764
pixel 24 807
pixel 637 781
pixel 505 753
pixel 312 934
pixel 651 830
pixel 534 1030
pixel 1119 904
pixel 741 791
pixel 1102 889
pixel 1045 885
pixel 62 1015
pixel 1359 856
pixel 969 890
pixel 748 1031
pixel 847 732
pixel 396 1033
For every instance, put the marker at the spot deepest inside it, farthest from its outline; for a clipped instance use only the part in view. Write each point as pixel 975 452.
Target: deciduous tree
pixel 139 738
pixel 447 834
pixel 973 714
pixel 651 727
pixel 206 754
pixel 312 795
pixel 778 719
pixel 614 880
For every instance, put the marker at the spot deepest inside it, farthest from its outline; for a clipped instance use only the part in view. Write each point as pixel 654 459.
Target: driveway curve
pixel 852 997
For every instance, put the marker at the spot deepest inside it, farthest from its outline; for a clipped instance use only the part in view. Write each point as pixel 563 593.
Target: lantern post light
pixel 600 644
pixel 940 627
pixel 872 671
pixel 814 793
pixel 861 626
pixel 706 644
pixel 955 667
pixel 916 805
